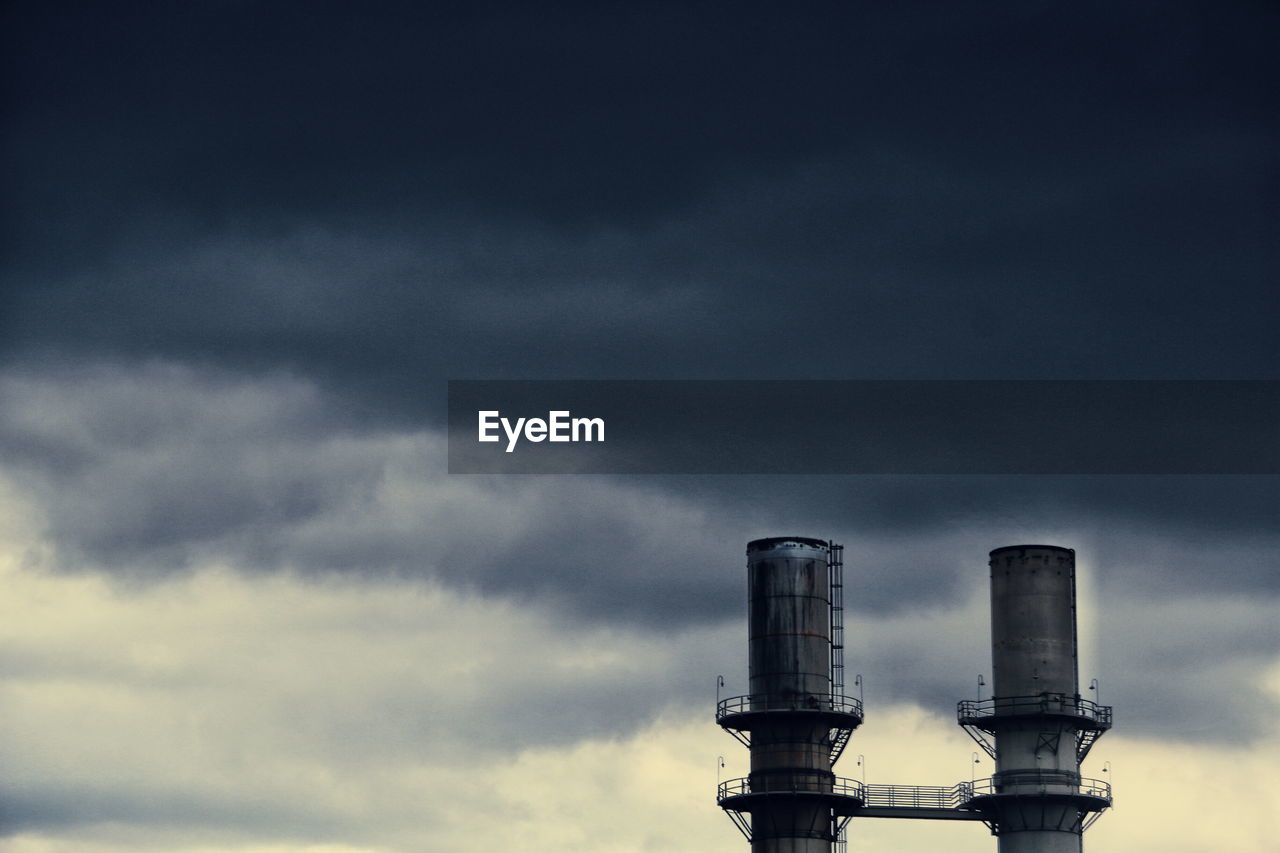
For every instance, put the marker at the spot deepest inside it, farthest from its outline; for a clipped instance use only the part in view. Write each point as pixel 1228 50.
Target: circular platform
pixel 843 796
pixel 745 713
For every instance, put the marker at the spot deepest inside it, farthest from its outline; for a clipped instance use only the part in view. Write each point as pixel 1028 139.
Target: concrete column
pixel 1035 689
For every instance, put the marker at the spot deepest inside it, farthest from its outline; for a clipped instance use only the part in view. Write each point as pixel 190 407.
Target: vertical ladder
pixel 835 563
pixel 835 566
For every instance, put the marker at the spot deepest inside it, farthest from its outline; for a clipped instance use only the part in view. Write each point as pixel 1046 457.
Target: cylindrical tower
pixel 793 722
pixel 1037 801
pixel 789 633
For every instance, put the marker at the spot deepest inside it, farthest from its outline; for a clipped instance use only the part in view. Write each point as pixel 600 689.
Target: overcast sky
pixel 245 244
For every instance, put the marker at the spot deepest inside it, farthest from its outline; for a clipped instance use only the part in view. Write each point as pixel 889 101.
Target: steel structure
pixel 796 720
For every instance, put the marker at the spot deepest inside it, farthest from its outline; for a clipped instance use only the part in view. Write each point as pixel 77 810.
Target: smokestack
pixel 794 721
pixel 1040 728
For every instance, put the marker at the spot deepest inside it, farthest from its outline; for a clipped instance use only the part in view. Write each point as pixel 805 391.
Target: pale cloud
pixel 1187 798
pixel 236 709
pixel 218 711
pixel 145 471
pixel 411 661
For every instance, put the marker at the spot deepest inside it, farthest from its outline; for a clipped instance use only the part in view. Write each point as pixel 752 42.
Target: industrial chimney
pixel 795 720
pixel 1036 726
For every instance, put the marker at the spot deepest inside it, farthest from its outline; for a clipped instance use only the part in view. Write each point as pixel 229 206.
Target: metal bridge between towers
pixel 929 802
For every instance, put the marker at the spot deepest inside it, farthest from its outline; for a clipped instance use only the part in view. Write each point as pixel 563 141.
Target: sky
pixel 243 247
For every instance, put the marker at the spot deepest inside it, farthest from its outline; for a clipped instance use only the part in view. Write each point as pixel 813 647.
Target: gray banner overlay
pixel 868 427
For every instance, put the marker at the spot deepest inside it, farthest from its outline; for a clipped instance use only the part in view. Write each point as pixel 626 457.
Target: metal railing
pixel 1046 703
pixel 918 796
pixel 789 702
pixel 782 785
pixel 1043 781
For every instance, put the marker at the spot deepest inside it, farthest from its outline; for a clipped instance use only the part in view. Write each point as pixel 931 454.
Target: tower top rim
pixel 772 542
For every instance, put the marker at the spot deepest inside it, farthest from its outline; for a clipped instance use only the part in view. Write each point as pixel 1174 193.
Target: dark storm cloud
pixel 244 243
pixel 383 314
pixel 148 472
pixel 380 201
pixel 153 470
pixel 584 110
pixel 389 198
pixel 46 807
pixel 144 473
pixel 1163 655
